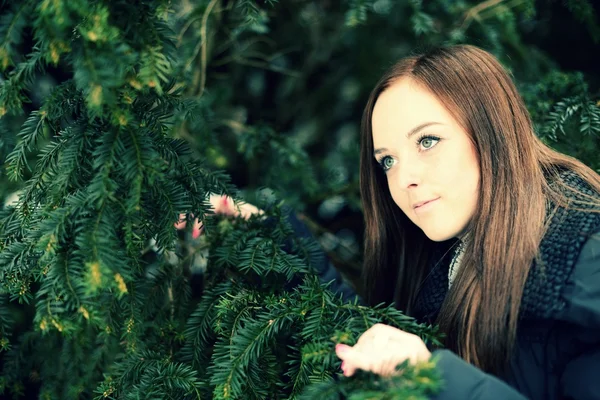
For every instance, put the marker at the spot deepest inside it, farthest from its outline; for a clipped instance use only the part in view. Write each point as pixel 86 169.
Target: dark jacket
pixel 557 351
pixel 326 271
pixel 555 357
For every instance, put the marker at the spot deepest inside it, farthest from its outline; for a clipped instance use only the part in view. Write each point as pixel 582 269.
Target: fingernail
pixel 341 348
pixel 195 233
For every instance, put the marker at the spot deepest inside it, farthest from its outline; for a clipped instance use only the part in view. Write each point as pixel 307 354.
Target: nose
pixel 410 173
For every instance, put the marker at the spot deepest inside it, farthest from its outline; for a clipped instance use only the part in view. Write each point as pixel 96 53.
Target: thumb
pixel 197 230
pixel 353 359
pixel 222 204
pixel 181 222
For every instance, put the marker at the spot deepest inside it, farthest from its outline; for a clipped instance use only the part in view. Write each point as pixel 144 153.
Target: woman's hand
pixel 221 204
pixel 380 349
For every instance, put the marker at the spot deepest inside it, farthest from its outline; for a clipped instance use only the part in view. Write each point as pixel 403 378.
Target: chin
pixel 439 236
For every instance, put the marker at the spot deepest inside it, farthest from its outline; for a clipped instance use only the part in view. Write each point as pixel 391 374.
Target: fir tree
pixel 109 179
pixel 96 295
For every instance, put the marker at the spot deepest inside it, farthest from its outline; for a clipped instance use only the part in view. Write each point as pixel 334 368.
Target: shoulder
pixel 572 218
pixel 569 240
pixel 581 291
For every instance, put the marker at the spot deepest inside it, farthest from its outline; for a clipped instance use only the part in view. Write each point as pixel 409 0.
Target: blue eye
pixel 386 163
pixel 427 142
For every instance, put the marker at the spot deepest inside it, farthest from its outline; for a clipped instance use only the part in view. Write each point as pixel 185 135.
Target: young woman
pixel 474 224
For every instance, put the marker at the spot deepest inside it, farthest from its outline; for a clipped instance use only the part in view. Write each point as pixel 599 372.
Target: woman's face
pixel 431 165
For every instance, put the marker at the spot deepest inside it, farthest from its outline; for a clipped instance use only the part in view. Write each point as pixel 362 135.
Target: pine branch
pixel 199 332
pixel 11 31
pixel 20 79
pixel 28 137
pixel 6 321
pixel 230 362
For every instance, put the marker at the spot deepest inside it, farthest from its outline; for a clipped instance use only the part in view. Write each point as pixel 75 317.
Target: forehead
pixel 403 106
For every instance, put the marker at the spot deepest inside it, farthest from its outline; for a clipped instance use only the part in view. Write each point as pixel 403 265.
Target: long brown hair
pixel 480 312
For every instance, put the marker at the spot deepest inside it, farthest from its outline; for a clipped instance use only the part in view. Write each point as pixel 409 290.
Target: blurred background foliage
pixel 278 87
pixel 274 90
pixel 281 94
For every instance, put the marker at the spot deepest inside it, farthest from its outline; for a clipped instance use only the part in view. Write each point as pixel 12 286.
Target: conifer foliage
pixel 99 293
pixel 84 311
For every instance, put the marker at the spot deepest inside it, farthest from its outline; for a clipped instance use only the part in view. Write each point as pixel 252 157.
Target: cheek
pixel 471 173
pixel 400 197
pixel 463 183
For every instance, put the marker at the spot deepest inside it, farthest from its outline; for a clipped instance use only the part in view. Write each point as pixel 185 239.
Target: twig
pixel 203 35
pixel 317 228
pixel 184 30
pixel 171 300
pixel 474 12
pixel 268 67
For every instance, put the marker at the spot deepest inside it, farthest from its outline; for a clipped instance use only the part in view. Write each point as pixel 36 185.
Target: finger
pixel 387 366
pixel 341 351
pixel 222 204
pixel 349 369
pixel 246 210
pixel 353 359
pixel 197 230
pixel 180 224
pixel 375 331
pixel 381 363
pixel 375 342
pixel 366 338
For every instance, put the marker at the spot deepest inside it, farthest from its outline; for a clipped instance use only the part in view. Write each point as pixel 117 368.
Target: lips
pixel 422 203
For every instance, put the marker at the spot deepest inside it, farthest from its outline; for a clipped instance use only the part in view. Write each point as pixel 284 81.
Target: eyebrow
pixel 410 133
